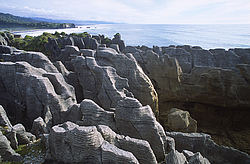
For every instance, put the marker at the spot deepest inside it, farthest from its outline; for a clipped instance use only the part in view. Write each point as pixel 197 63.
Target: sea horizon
pixel 207 36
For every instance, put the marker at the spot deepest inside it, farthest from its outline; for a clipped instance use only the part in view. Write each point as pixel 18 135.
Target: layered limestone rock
pixel 127 67
pixel 140 148
pixel 213 85
pixel 100 83
pixel 28 92
pixel 199 142
pixel 137 121
pixel 92 114
pixel 4 120
pixel 70 143
pixel 36 59
pixel 6 152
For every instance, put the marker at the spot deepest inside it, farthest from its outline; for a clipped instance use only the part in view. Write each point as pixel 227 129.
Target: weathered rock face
pixel 199 142
pixel 175 157
pixel 112 154
pixel 117 40
pixel 23 137
pixel 92 114
pixel 39 127
pixel 210 84
pixel 36 59
pixel 140 148
pixel 137 121
pixel 179 120
pixel 28 92
pixel 127 67
pixel 71 143
pixel 6 152
pixel 99 83
pixel 3 42
pixel 4 120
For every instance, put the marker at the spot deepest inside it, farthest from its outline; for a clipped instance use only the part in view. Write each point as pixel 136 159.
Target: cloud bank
pixel 135 11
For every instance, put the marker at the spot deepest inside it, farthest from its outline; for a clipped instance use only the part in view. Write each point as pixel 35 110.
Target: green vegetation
pixel 11 21
pixel 32 153
pixel 36 43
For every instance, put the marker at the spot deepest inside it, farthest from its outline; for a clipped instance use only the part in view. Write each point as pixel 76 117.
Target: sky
pixel 135 11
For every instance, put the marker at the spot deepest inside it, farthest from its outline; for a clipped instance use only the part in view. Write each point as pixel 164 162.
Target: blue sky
pixel 135 11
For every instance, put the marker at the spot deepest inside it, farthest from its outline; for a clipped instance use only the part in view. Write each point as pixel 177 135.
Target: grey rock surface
pixel 174 157
pixel 29 92
pixel 179 120
pixel 140 148
pixel 70 143
pixel 4 120
pixel 199 142
pixel 23 137
pixel 39 127
pixel 127 67
pixel 36 59
pixel 100 84
pixel 137 121
pixel 112 154
pixel 93 115
pixel 6 152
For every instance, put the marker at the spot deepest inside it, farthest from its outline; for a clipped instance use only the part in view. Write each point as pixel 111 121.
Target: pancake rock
pixel 137 121
pixel 100 83
pixel 28 92
pixel 199 142
pixel 213 85
pixel 127 67
pixel 140 148
pixel 71 143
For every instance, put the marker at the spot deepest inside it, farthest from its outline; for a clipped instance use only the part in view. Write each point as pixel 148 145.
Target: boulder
pixel 179 120
pixel 39 127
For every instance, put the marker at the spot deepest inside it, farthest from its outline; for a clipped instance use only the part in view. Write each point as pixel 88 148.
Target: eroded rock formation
pixel 99 103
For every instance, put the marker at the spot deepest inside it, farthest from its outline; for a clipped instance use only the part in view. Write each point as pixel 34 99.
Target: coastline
pixel 164 35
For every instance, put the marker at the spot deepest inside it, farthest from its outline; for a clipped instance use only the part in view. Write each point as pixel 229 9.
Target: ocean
pixel 207 36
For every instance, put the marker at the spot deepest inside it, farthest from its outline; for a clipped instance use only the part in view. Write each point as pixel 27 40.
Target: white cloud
pixel 136 11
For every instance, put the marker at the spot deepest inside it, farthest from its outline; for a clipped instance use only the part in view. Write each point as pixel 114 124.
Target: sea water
pixel 207 36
